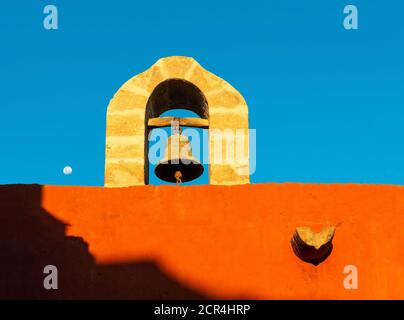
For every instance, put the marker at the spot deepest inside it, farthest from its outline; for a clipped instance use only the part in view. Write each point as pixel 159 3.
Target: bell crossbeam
pixel 183 122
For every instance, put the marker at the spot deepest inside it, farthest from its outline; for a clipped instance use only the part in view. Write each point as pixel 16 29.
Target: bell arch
pixel 176 94
pixel 183 82
pixel 168 95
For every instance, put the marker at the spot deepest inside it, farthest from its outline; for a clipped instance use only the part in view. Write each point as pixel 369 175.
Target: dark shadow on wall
pixel 30 239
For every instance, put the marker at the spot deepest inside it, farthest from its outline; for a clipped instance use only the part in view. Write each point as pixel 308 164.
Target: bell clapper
pixel 178 176
pixel 176 129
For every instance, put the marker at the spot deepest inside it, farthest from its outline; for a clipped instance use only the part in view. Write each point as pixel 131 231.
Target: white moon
pixel 67 170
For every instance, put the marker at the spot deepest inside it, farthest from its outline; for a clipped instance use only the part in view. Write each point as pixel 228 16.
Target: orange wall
pixel 234 242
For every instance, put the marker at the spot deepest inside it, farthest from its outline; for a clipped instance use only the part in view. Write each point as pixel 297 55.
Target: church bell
pixel 178 164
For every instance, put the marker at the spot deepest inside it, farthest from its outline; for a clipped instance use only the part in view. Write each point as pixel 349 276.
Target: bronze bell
pixel 178 164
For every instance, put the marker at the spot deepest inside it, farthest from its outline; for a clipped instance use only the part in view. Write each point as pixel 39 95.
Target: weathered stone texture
pixel 126 118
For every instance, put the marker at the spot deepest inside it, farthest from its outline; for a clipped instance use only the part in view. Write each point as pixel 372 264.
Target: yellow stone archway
pixel 127 123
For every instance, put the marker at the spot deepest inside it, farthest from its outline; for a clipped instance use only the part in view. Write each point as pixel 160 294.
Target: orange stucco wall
pixel 234 241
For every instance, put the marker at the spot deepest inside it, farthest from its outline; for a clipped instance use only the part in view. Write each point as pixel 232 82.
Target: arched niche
pixel 176 94
pixel 169 95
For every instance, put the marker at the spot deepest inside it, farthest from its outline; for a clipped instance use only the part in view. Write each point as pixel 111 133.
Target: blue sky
pixel 327 103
